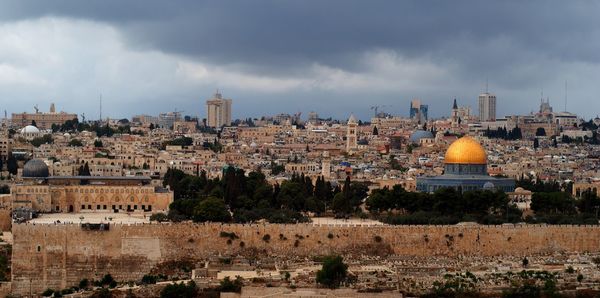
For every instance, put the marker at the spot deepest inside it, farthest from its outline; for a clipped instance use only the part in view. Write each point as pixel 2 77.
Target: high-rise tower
pixel 218 111
pixel 487 107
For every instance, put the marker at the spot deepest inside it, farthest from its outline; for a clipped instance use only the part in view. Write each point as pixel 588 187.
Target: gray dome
pixel 416 136
pixel 489 186
pixel 36 168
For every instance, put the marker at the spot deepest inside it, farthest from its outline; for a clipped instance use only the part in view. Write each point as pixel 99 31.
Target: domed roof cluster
pixel 30 129
pixel 35 168
pixel 466 150
pixel 416 136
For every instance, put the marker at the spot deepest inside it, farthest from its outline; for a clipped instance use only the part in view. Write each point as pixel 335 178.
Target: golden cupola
pixel 466 150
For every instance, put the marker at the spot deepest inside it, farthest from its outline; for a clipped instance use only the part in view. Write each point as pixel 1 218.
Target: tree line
pixel 244 198
pixel 445 206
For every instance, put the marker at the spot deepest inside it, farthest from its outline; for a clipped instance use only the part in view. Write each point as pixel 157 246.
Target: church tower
pixel 454 116
pixel 351 134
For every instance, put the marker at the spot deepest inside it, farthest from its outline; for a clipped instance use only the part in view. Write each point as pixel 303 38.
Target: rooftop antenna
pixel 486 85
pixel 565 95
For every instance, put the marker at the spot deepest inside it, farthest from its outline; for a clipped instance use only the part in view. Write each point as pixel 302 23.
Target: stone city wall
pixel 59 256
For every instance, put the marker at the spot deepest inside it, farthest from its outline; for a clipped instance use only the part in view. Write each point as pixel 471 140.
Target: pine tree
pixel 11 165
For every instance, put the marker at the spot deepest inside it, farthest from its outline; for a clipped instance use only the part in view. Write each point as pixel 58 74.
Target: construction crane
pixel 37 110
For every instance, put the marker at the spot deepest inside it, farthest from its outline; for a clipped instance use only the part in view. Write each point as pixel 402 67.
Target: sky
pixel 335 57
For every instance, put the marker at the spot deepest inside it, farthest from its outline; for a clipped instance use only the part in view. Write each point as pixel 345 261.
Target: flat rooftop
pixel 91 217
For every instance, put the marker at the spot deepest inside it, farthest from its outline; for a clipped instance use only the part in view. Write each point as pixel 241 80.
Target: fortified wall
pixel 59 256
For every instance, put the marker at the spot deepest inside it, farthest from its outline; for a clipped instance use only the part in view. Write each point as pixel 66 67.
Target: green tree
pixel 84 170
pixel 11 165
pixel 333 272
pixel 228 285
pixel 211 209
pixel 75 143
pixel 540 132
pixel 98 144
pixel 180 290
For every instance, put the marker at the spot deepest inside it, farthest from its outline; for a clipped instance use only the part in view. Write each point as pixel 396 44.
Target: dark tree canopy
pixel 333 272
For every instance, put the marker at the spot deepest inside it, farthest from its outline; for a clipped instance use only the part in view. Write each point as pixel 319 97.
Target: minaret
pixel 351 135
pixel 326 166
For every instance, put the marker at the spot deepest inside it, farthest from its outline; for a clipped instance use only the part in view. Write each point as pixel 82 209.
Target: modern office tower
pixel 166 120
pixel 418 111
pixel 487 107
pixel 218 111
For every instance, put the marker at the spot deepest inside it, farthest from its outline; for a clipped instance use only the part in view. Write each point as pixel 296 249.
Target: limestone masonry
pixel 59 256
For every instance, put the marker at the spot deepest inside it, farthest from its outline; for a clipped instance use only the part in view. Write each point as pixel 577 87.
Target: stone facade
pixel 59 256
pixel 78 198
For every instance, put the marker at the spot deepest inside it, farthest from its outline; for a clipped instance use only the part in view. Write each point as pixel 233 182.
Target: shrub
pixel 84 283
pixel 231 235
pixel 377 238
pixel 266 238
pixel 159 217
pixel 180 290
pixel 149 279
pixel 48 293
pixel 333 272
pixel 227 285
pixel 330 236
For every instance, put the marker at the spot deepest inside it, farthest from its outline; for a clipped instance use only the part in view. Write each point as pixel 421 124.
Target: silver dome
pixel 36 168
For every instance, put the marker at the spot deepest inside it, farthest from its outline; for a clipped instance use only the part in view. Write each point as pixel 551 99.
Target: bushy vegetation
pixel 180 290
pixel 333 272
pixel 228 285
pixel 445 206
pixel 250 197
pixel 45 139
pixel 181 141
pixel 562 208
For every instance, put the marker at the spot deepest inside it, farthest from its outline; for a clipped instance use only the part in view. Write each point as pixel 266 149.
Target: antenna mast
pixel 100 107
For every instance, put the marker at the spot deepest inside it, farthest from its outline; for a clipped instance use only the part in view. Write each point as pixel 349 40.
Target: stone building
pixel 465 169
pixel 42 120
pixel 44 193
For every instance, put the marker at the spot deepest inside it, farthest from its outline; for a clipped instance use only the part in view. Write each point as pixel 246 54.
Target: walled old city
pixel 299 149
pixel 261 207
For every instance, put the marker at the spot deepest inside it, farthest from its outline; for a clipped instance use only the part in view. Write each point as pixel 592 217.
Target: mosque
pixel 41 192
pixel 465 169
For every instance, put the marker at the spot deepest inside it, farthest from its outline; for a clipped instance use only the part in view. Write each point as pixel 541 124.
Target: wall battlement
pixel 59 256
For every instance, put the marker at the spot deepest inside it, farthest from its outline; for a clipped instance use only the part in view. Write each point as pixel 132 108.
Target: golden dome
pixel 466 150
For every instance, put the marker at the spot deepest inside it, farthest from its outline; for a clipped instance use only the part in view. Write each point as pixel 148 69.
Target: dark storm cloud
pixel 515 44
pixel 273 34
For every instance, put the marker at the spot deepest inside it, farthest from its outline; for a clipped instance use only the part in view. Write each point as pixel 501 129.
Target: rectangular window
pixel 104 207
pixel 113 207
pixel 120 207
pixel 82 207
pixel 90 207
pixel 135 207
pixel 97 207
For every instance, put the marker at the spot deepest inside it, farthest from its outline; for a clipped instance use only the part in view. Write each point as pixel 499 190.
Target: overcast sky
pixel 333 57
